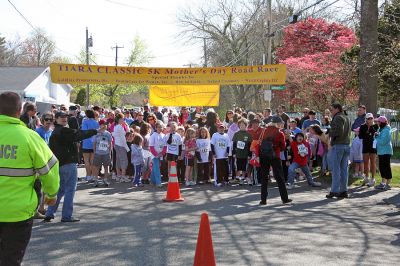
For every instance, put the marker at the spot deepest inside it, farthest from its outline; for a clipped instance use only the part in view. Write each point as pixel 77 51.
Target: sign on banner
pixel 83 74
pixel 184 95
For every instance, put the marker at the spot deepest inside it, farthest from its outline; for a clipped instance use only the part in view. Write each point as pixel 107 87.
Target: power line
pixel 251 46
pixel 38 32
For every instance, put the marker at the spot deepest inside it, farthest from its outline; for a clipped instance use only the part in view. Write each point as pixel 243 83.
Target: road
pixel 122 226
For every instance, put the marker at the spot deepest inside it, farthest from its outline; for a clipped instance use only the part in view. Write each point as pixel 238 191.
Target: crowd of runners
pixel 242 148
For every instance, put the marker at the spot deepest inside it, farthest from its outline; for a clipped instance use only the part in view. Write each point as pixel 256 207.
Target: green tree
pixel 81 96
pixel 139 56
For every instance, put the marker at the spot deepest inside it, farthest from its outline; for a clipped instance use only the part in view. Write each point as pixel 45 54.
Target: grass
pixel 357 182
pixel 396 153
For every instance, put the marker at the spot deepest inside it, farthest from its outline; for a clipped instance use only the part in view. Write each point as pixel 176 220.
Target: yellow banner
pixel 184 95
pixel 83 74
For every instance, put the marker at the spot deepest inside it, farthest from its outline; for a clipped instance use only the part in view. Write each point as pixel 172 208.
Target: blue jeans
pixel 138 174
pixel 155 175
pixel 292 173
pixel 68 180
pixel 339 165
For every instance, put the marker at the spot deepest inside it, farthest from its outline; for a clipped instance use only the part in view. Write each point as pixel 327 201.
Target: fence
pixel 395 133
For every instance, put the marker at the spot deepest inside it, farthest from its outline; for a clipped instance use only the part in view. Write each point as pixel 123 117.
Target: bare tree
pixel 39 49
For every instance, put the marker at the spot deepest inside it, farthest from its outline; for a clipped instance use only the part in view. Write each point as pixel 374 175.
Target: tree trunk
pixel 368 49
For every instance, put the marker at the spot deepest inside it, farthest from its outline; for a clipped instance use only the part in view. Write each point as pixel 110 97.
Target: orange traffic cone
pixel 173 191
pixel 204 248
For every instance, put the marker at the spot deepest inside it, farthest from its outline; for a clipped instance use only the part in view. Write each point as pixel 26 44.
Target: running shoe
pixel 372 182
pixel 381 186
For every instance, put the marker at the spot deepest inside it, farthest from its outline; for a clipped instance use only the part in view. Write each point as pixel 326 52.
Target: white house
pixel 34 84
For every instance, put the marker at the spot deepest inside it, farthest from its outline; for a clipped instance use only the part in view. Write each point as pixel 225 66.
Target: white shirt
pixel 221 143
pixel 119 137
pixel 204 148
pixel 173 148
pixel 157 141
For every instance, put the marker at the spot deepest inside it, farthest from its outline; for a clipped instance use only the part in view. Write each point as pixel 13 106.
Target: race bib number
pixel 240 145
pixel 221 144
pixel 302 149
pixel 103 145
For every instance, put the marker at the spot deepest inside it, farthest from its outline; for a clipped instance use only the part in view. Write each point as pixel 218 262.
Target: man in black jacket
pixel 63 145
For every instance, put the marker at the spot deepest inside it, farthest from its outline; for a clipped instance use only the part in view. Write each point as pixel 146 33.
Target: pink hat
pixel 382 119
pixel 356 129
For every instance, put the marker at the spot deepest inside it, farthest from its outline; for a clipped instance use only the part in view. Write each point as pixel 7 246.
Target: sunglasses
pixel 369 118
pixel 48 119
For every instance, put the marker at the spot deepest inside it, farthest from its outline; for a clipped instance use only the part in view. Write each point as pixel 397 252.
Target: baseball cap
pixel 61 114
pixel 382 119
pixel 276 119
pixel 369 115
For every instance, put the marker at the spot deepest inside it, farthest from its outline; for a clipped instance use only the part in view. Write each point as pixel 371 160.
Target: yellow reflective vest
pixel 24 156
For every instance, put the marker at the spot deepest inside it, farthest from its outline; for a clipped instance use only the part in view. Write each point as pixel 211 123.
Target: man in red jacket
pixel 273 142
pixel 301 152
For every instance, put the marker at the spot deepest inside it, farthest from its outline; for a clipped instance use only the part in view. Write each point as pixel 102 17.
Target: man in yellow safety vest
pixel 24 156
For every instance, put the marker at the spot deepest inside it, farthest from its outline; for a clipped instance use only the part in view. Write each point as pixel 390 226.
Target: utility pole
pixel 267 58
pixel 116 47
pixel 89 43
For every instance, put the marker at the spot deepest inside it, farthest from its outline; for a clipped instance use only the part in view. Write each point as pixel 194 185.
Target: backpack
pixel 267 148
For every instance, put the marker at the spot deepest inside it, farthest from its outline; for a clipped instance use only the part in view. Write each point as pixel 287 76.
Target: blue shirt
pixel 308 123
pixel 129 121
pixel 44 134
pixel 87 124
pixel 296 130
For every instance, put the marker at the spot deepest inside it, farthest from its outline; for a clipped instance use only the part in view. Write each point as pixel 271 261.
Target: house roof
pixel 16 79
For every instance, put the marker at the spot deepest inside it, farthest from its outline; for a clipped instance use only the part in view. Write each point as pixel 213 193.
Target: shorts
pixel 189 162
pixel 241 164
pixel 367 150
pixel 87 150
pixel 121 157
pixel 172 157
pixel 101 159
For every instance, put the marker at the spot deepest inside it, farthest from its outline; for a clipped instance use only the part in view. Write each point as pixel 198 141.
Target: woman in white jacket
pixel 121 149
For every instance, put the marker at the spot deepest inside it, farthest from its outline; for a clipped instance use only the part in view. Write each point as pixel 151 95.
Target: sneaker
pixel 372 182
pixel 96 183
pixel 365 181
pixel 192 183
pixel 316 184
pixel 381 186
pixel 114 177
pixel 289 186
pixel 187 183
pixel 343 195
pixel 263 203
pixel 288 201
pixel 219 185
pixel 72 220
pixel 47 219
pixel 159 186
pixel 126 179
pixel 301 177
pixel 331 195
pixel 241 182
pixel 387 187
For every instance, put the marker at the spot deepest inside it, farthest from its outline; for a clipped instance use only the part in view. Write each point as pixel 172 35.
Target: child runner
pixel 190 150
pixel 356 155
pixel 301 149
pixel 102 152
pixel 220 148
pixel 174 145
pixel 157 148
pixel 180 165
pixel 129 141
pixel 203 155
pixel 241 148
pixel 137 159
